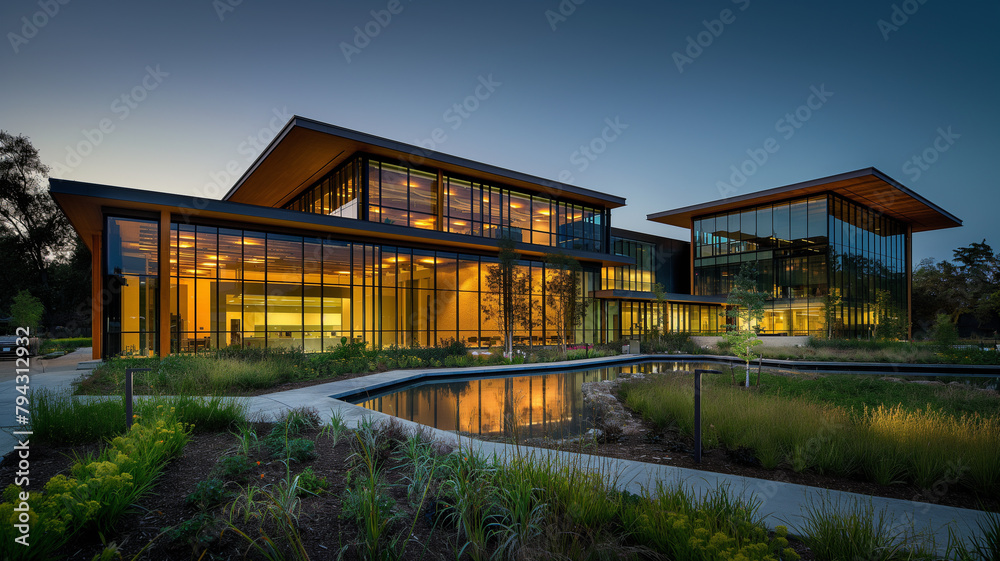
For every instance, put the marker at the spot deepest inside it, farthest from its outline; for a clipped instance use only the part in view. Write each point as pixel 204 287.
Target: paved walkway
pixel 781 503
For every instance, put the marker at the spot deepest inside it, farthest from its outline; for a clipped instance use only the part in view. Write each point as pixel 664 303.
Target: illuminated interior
pixel 255 289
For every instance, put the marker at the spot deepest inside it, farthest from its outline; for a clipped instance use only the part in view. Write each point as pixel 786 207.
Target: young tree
pixel 831 304
pixel 563 296
pixel 507 300
pixel 26 311
pixel 745 305
pixel 890 320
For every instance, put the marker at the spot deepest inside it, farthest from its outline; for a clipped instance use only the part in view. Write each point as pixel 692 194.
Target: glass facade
pixel 257 289
pixel 336 194
pixel 818 258
pixel 639 277
pixel 131 266
pixel 407 196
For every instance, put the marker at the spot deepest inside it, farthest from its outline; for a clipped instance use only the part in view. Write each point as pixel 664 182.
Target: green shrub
pixel 234 467
pixel 208 494
pixel 309 482
pixel 199 531
pixel 299 450
pixel 98 491
pixel 65 345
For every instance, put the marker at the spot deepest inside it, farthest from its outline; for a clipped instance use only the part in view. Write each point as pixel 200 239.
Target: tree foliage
pixel 563 295
pixel 890 320
pixel 39 251
pixel 967 288
pixel 26 311
pixel 745 306
pixel 507 300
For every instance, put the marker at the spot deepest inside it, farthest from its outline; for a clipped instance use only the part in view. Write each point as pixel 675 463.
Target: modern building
pixel 334 234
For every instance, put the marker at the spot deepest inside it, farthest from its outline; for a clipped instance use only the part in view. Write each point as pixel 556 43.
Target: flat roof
pixel 85 204
pixel 869 187
pixel 305 150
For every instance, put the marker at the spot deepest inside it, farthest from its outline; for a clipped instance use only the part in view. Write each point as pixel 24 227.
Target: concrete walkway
pixel 781 503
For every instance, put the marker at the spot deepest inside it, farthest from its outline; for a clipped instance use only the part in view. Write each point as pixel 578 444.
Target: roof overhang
pixel 85 204
pixel 869 187
pixel 305 150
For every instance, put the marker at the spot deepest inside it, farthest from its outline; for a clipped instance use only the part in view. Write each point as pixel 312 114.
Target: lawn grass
pixel 855 392
pixel 58 418
pixel 853 350
pixel 882 441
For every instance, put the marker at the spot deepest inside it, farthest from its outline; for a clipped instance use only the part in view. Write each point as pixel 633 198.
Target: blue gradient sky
pixel 228 77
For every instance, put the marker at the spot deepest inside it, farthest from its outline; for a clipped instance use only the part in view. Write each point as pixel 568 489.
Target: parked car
pixel 8 346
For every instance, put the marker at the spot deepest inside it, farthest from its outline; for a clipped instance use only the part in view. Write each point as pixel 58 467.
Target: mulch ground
pixel 324 531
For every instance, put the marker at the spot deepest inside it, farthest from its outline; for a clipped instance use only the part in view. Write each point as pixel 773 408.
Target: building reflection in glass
pixel 513 407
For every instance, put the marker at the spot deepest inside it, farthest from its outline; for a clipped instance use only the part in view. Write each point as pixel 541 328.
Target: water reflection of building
pixel 523 407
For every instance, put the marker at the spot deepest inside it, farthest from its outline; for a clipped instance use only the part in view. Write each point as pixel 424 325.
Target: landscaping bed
pixel 380 493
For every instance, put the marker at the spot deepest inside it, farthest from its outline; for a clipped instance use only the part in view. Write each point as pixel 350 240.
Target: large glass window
pixel 130 279
pixel 312 294
pixel 336 194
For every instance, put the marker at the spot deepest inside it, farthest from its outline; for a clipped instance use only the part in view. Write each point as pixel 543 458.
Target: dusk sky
pixel 657 102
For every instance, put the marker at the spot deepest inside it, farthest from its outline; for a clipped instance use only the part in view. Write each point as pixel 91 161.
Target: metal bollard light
pixel 129 372
pixel 697 410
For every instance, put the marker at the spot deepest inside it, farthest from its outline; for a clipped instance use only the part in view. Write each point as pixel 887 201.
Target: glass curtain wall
pixel 337 194
pixel 822 260
pixel 789 243
pixel 130 280
pixel 639 277
pixel 867 256
pixel 407 196
pixel 255 289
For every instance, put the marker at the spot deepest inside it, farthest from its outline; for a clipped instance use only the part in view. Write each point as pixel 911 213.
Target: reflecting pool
pixel 521 407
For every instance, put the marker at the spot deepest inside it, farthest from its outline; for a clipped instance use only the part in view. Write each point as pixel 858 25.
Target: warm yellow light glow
pixel 428 260
pixel 515 205
pixel 459 223
pixel 545 212
pixel 187 245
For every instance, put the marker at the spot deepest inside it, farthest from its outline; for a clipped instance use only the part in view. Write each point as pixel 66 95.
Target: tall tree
pixel 745 305
pixel 969 286
pixel 34 233
pixel 563 295
pixel 507 300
